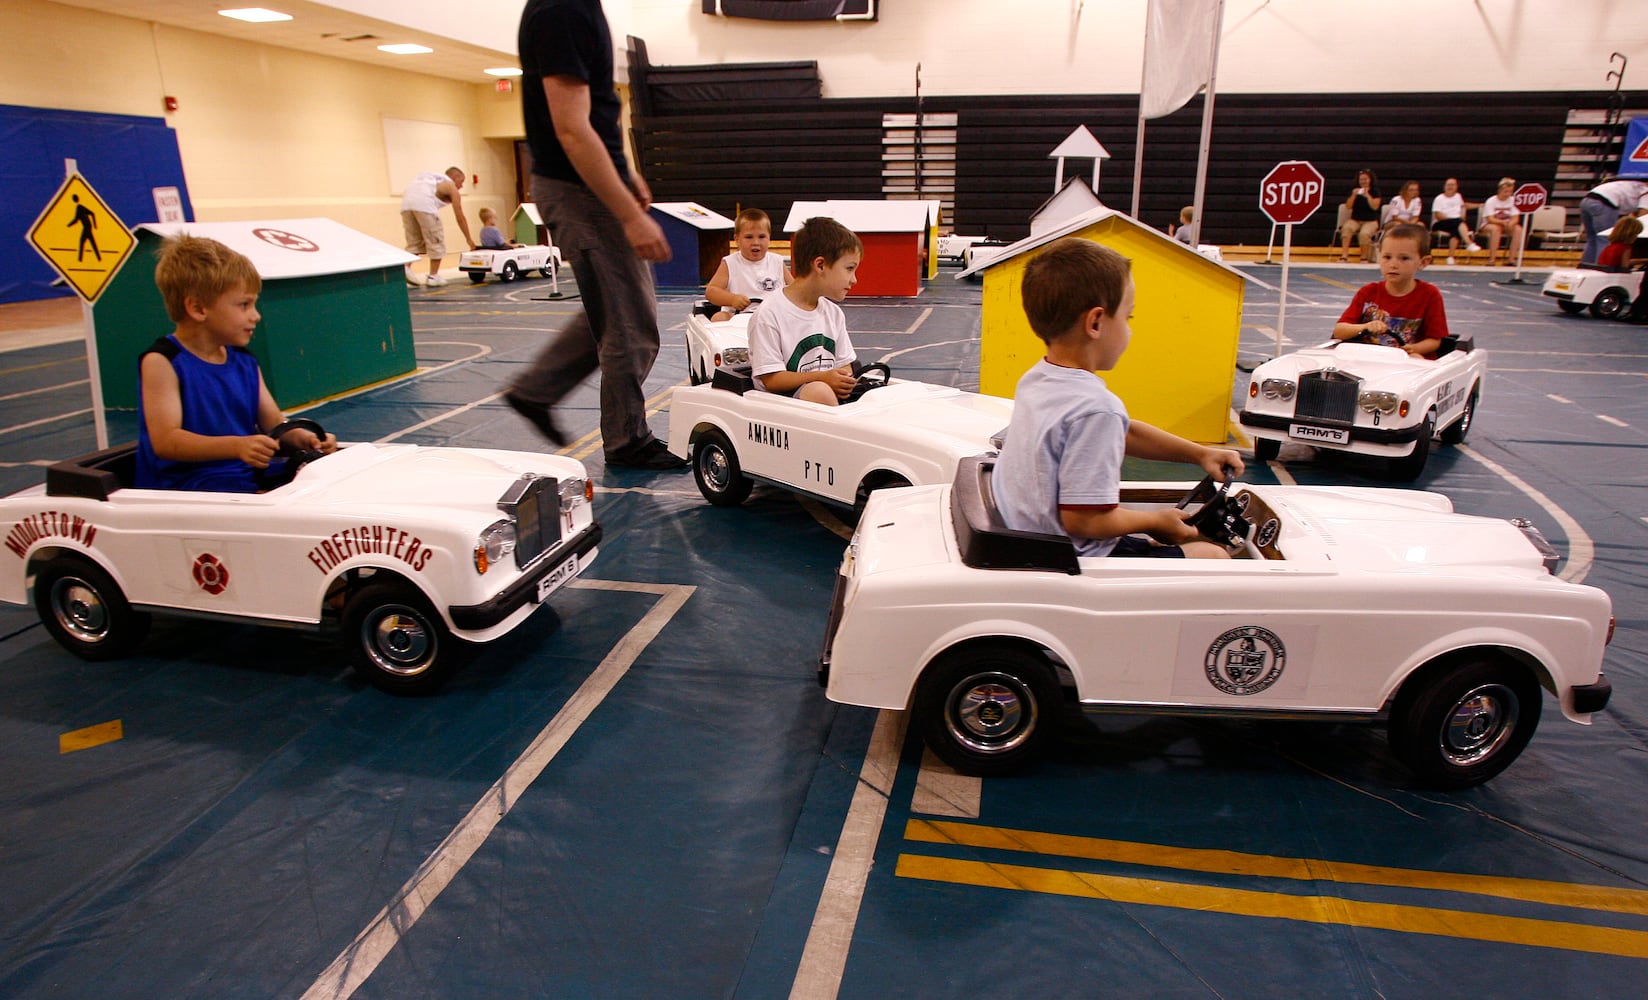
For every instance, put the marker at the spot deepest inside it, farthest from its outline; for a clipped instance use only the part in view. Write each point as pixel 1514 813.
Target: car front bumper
pixel 478 617
pixel 1368 435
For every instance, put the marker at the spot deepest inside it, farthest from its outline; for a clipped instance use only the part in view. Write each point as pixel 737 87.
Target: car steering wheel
pixel 1219 520
pixel 296 458
pixel 872 376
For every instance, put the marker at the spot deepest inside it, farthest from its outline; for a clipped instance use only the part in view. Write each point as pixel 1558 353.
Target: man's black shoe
pixel 652 455
pixel 537 415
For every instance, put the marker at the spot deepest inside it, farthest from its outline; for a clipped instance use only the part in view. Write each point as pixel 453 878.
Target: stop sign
pixel 1291 192
pixel 1529 197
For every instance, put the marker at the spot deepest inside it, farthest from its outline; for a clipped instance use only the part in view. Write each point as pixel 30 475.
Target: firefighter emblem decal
pixel 211 574
pixel 1245 660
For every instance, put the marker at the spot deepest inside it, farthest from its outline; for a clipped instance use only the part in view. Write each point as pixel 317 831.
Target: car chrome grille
pixel 1328 396
pixel 535 504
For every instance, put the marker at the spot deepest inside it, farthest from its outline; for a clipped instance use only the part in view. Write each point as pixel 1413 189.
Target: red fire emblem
pixel 212 575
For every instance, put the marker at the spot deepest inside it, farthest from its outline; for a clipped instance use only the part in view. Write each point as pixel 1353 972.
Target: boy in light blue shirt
pixel 1060 466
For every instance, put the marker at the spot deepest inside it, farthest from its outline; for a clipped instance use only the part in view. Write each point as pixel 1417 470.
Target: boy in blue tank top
pixel 203 409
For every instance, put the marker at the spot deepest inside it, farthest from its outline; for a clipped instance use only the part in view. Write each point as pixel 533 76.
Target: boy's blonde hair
pixel 1067 279
pixel 1187 214
pixel 1411 231
pixel 200 268
pixel 753 217
pixel 821 236
pixel 487 213
pixel 1626 230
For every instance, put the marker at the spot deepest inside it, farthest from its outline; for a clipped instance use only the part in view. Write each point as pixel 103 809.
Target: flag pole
pixel 1138 142
pixel 1207 121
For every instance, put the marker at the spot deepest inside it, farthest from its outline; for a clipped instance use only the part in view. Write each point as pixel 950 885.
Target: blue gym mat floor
pixel 643 792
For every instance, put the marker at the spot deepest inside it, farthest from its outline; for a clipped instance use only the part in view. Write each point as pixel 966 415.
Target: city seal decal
pixel 1245 660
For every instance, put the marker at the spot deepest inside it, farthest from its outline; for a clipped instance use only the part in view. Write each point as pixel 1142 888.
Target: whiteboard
pixel 413 147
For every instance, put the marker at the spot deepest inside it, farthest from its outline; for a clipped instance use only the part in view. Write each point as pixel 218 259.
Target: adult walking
pixel 1605 205
pixel 597 208
pixel 421 218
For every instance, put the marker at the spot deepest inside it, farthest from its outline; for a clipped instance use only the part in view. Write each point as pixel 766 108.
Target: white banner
pixel 1178 54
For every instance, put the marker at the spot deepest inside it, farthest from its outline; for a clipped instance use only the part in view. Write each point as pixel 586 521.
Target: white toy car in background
pixel 711 345
pixel 1606 293
pixel 987 633
pixel 1365 398
pixel 897 434
pixel 511 263
pixel 398 548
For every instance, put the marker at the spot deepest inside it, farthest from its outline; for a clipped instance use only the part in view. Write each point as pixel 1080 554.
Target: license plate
pixel 1326 435
pixel 474 260
pixel 561 574
pixel 1561 286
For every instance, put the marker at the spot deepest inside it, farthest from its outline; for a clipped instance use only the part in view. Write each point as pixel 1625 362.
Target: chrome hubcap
pixel 399 641
pixel 991 712
pixel 1479 724
pixel 80 609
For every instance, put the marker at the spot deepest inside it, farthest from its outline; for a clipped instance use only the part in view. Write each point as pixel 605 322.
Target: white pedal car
pixel 399 548
pixel 509 264
pixel 897 434
pixel 1365 398
pixel 1606 293
pixel 1344 604
pixel 711 345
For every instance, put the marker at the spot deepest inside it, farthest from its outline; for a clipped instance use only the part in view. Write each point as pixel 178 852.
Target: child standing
pixel 798 340
pixel 1060 465
pixel 203 409
pixel 749 273
pixel 1400 311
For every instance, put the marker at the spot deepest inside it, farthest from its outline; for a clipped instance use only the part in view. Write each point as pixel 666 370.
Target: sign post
pixel 1529 198
pixel 1289 194
pixel 85 242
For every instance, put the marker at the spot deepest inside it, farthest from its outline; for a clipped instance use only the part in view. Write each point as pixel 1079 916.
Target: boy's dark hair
pixel 753 216
pixel 202 268
pixel 1411 231
pixel 821 236
pixel 1067 279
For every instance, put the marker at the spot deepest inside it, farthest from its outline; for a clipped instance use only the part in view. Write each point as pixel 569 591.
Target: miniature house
pixel 896 237
pixel 335 311
pixel 1179 370
pixel 698 240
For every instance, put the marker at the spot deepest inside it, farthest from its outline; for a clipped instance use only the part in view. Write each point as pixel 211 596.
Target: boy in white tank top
pixel 752 272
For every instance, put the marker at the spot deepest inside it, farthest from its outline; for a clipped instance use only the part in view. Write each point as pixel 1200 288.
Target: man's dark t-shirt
pixel 567 38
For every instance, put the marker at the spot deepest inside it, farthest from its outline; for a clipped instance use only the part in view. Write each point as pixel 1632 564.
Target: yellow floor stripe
pixel 1331 281
pixel 91 736
pixel 1312 909
pixel 1593 897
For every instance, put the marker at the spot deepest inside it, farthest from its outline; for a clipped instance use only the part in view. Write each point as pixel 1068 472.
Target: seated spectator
pixel 492 238
pixel 1616 256
pixel 1186 231
pixel 1363 222
pixel 1448 218
pixel 1502 221
pixel 751 272
pixel 1406 206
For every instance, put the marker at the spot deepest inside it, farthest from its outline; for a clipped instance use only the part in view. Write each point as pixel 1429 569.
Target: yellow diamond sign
pixel 82 238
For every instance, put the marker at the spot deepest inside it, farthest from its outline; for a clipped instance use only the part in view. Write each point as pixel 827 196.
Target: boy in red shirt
pixel 1400 311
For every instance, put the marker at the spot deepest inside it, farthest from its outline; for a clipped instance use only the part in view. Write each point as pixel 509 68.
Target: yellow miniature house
pixel 1180 368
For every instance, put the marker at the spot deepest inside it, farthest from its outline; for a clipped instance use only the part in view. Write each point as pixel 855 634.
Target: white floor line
pixel 1581 551
pixel 49 388
pixel 1605 418
pixel 45 420
pixel 824 959
pixel 940 791
pixel 380 936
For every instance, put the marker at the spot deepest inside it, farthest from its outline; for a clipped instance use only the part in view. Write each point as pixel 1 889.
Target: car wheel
pixel 1464 724
pixel 397 641
pixel 1407 468
pixel 547 271
pixel 1266 449
pixel 692 369
pixel 510 272
pixel 987 710
pixel 1455 432
pixel 83 609
pixel 1610 303
pixel 715 466
pixel 1571 308
pixel 477 277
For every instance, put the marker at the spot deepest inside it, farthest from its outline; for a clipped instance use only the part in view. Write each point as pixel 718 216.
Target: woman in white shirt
pixel 1448 217
pixel 1501 219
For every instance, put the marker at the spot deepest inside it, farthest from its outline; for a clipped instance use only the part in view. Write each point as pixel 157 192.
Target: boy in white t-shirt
pixel 750 273
pixel 798 339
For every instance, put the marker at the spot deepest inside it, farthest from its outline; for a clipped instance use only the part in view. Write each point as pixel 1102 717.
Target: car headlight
pixel 574 490
pixel 1375 401
pixel 1277 388
pixel 497 541
pixel 735 356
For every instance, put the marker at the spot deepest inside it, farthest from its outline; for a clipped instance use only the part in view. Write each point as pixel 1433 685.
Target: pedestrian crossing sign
pixel 81 238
